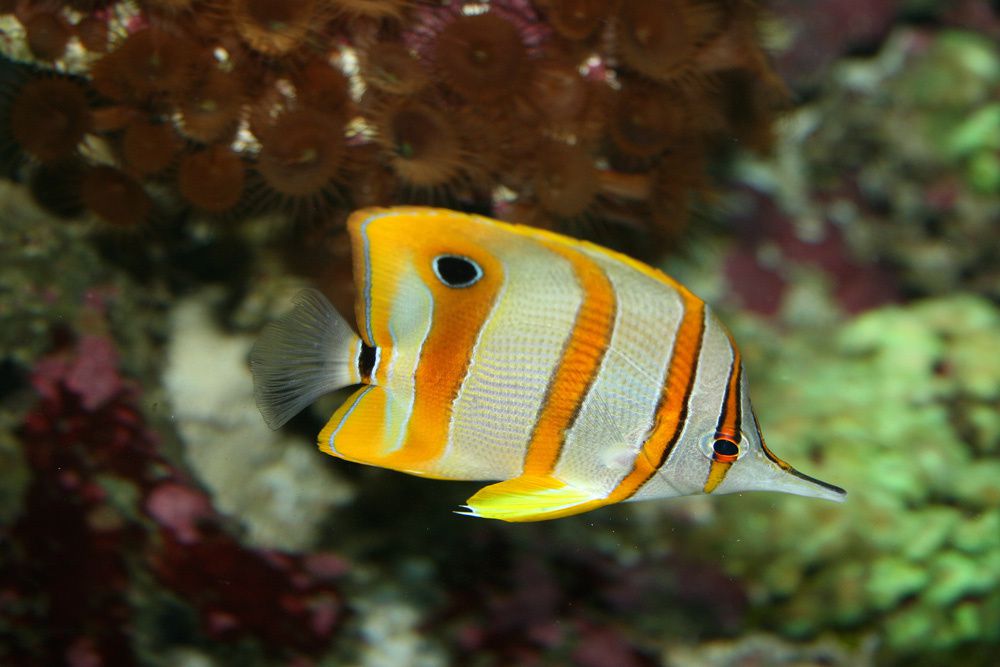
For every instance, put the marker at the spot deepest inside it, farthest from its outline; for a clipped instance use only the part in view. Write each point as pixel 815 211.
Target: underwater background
pixel 825 173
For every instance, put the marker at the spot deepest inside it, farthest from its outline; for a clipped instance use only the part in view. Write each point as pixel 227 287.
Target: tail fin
pixel 299 357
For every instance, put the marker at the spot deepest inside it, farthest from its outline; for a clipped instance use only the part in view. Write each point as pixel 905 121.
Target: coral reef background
pixel 826 173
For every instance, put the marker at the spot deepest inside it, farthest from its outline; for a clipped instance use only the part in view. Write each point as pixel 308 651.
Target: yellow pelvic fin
pixel 370 427
pixel 531 498
pixel 357 431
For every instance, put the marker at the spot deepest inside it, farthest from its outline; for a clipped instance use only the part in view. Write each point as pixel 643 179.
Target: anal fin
pixel 531 498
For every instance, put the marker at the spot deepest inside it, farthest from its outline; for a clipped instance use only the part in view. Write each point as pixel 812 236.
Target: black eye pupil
pixel 726 448
pixel 455 271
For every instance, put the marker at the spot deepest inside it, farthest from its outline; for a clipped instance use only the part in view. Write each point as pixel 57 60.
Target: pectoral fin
pixel 531 498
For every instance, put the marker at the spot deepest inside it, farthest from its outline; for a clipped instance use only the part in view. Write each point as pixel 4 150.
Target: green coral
pixel 917 130
pixel 45 272
pixel 901 407
pixel 948 95
pixel 15 478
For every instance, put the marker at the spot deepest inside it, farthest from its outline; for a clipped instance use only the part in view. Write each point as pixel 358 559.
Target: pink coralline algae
pixel 281 599
pixel 761 286
pixel 179 509
pixel 823 31
pixel 105 508
pixel 69 577
pixel 90 372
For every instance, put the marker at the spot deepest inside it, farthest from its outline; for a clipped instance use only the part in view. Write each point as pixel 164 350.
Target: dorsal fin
pixel 308 352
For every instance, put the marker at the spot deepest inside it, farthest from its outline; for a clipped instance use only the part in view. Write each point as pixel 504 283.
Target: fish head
pixel 721 450
pixel 741 461
pixel 759 469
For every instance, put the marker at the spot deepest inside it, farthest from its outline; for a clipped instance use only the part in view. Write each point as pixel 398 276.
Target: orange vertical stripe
pixel 459 315
pixel 716 473
pixel 731 415
pixel 671 412
pixel 578 366
pixel 730 419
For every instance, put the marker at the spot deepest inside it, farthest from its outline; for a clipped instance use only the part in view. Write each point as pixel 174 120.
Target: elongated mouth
pixel 806 486
pixel 825 490
pixel 802 484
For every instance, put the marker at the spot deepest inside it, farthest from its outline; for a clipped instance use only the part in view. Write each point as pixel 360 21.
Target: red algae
pixel 106 516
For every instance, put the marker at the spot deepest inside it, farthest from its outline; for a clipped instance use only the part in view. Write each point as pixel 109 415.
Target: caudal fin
pixel 304 354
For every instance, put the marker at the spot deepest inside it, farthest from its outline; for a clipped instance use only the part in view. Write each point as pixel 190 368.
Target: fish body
pixel 575 375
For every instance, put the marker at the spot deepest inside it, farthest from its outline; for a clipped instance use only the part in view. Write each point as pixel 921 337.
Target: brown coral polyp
pixel 565 182
pixel 212 112
pixel 47 34
pixel 149 66
pixel 115 197
pixel 676 180
pixel 578 19
pixel 390 68
pixel 661 39
pixel 558 92
pixel 55 187
pixel 148 148
pixel 49 117
pixel 275 27
pixel 212 179
pixel 481 57
pixel 321 86
pixel 172 6
pixel 424 150
pixel 376 9
pixel 93 33
pixel 646 118
pixel 301 152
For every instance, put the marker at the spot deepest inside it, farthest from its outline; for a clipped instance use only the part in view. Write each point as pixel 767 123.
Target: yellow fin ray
pixel 531 498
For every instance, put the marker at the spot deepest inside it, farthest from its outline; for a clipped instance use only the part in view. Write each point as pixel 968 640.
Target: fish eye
pixel 724 448
pixel 725 451
pixel 456 271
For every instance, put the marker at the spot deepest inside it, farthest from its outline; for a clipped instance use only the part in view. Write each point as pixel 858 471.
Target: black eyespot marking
pixel 456 271
pixel 725 450
pixel 366 361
